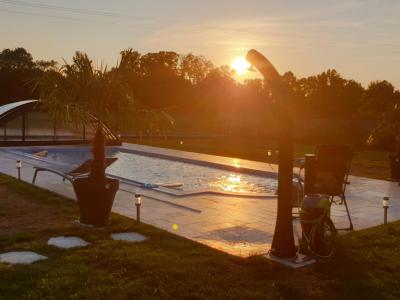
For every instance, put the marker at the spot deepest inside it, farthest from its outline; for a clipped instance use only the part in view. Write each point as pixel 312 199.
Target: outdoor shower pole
pixel 283 240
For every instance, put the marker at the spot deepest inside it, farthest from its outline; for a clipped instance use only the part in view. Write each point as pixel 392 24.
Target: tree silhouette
pixel 17 68
pixel 185 85
pixel 380 96
pixel 195 68
pixel 16 59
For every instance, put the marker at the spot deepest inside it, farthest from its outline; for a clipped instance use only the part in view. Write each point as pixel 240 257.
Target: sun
pixel 240 65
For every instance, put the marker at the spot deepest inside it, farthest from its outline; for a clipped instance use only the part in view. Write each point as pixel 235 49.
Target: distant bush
pixel 387 135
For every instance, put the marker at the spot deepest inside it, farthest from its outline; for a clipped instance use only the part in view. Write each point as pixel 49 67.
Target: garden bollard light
pixel 138 203
pixel 19 166
pixel 385 204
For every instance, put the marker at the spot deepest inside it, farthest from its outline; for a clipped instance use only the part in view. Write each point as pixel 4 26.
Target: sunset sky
pixel 361 39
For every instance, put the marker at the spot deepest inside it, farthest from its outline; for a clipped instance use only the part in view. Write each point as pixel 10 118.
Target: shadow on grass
pixel 367 264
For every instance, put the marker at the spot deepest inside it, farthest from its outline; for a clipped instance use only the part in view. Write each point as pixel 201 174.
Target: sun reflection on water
pixel 234 183
pixel 236 163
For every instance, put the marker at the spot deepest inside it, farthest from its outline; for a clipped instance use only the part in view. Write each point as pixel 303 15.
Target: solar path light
pixel 385 204
pixel 138 203
pixel 19 166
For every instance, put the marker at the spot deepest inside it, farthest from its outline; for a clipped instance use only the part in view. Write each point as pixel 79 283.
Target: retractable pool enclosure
pixel 26 123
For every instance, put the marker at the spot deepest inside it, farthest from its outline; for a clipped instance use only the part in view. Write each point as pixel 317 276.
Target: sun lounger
pixel 330 173
pixel 68 173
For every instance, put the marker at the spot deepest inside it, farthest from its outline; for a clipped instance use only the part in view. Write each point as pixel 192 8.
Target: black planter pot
pixel 94 201
pixel 394 162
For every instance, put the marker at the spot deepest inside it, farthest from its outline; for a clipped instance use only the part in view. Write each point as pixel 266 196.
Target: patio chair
pixel 71 174
pixel 327 173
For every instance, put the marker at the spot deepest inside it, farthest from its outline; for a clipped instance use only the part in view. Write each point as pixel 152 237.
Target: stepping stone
pixel 67 242
pixel 21 257
pixel 128 237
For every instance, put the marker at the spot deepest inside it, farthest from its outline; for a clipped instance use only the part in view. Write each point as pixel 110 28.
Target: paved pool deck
pixel 241 226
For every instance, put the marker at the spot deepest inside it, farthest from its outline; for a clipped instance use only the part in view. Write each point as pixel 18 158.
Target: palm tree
pixel 79 87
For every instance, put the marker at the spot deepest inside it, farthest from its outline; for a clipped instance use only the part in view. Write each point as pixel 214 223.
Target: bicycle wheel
pixel 322 239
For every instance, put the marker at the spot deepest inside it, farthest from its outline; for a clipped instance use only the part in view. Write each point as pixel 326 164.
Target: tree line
pixel 170 82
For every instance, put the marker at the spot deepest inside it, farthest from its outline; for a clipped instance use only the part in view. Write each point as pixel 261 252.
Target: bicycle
pixel 318 231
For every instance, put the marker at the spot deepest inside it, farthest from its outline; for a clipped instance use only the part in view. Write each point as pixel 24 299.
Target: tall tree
pixel 16 59
pixel 161 86
pixel 130 61
pixel 380 96
pixel 195 68
pixel 16 69
pixel 160 63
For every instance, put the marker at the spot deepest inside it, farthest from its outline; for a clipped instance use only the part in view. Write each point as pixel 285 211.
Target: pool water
pixel 153 170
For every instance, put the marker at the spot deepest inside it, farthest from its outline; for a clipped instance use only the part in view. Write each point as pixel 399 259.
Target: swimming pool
pixel 148 169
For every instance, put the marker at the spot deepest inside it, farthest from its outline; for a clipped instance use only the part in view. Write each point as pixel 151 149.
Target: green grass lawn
pixel 165 266
pixel 367 163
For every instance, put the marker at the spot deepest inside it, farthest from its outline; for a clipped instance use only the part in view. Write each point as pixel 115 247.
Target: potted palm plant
pixel 68 95
pixel 96 192
pixel 387 136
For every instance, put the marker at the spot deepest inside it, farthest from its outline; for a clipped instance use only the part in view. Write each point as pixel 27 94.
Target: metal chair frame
pixel 332 196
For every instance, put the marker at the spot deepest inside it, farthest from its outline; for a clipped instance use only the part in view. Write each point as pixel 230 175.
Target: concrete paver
pixel 237 225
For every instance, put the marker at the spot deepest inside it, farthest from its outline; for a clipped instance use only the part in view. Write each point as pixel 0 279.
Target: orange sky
pixel 360 38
